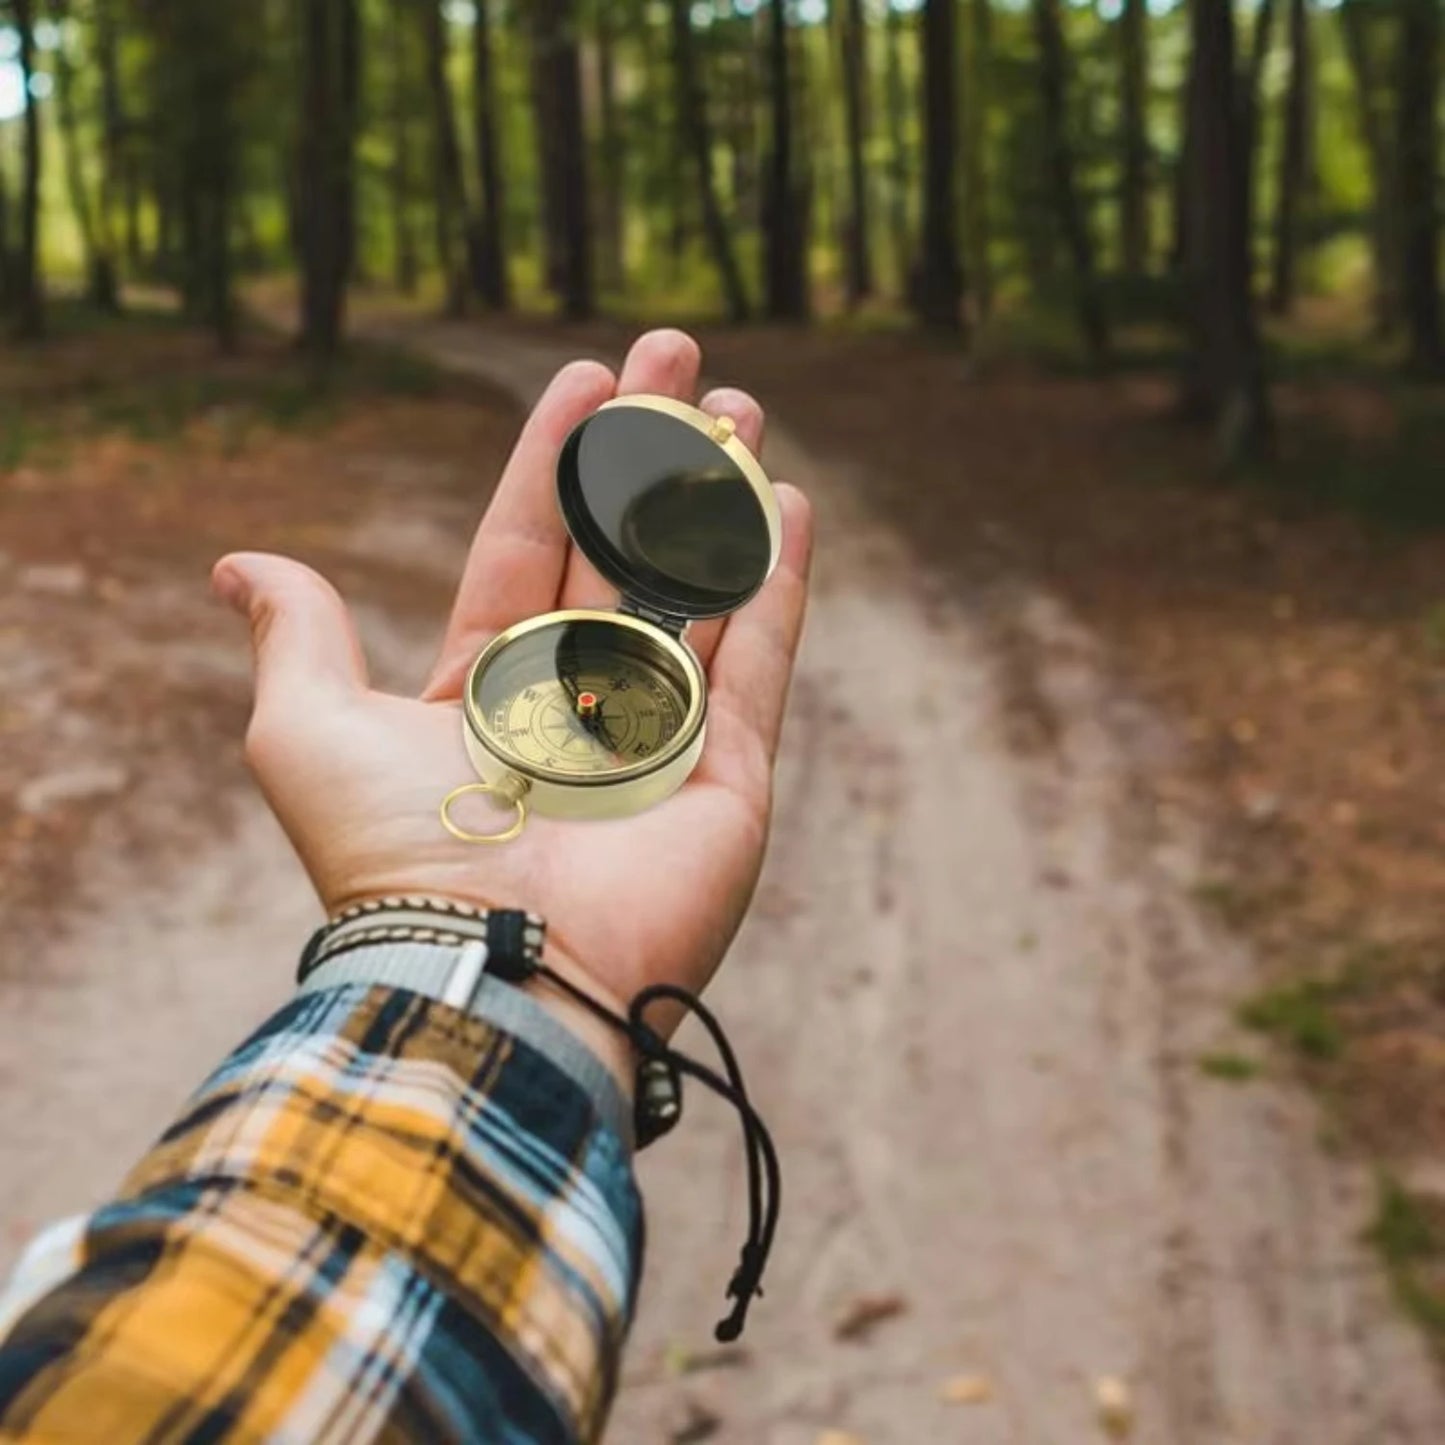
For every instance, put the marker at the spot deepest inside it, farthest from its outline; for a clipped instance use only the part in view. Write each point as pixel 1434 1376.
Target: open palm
pixel 356 776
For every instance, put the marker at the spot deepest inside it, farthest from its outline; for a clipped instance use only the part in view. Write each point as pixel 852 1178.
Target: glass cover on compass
pixel 664 512
pixel 582 697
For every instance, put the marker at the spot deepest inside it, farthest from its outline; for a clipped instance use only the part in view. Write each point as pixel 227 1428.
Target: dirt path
pixel 970 997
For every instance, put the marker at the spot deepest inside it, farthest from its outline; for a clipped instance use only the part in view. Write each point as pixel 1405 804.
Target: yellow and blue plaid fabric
pixel 380 1219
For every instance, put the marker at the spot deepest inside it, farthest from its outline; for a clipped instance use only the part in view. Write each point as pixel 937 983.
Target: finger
pixel 660 363
pixel 664 362
pixel 302 636
pixel 747 417
pixel 519 554
pixel 753 663
pixel 746 413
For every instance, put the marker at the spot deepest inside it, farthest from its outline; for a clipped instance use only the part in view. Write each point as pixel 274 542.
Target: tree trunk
pixel 165 264
pixel 70 144
pixel 664 204
pixel 611 166
pixel 493 282
pixel 7 261
pixel 351 70
pixel 1254 70
pixel 1053 88
pixel 857 250
pixel 134 243
pixel 221 296
pixel 557 96
pixel 692 112
pixel 198 70
pixel 741 89
pixel 404 248
pixel 210 179
pixel 1134 147
pixel 1227 385
pixel 1183 170
pixel 1374 131
pixel 1250 92
pixel 1293 162
pixel 92 212
pixel 976 223
pixel 785 279
pixel 104 279
pixel 447 183
pixel 939 293
pixel 899 169
pixel 1418 86
pixel 29 303
pixel 324 168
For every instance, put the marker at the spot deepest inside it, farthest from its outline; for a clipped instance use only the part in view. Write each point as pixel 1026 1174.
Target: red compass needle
pixel 589 709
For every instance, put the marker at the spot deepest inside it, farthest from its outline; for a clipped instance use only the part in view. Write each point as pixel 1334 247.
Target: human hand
pixel 356 775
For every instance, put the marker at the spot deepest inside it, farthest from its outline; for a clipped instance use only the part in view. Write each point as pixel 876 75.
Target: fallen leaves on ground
pixel 693 1422
pixel 864 1313
pixel 1114 1405
pixel 679 1360
pixel 966 1390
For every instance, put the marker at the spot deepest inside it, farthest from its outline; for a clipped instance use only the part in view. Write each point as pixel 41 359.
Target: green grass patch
pixel 1239 902
pixel 1301 1015
pixel 70 316
pixel 15 438
pixel 1225 898
pixel 1395 482
pixel 1236 1068
pixel 156 389
pixel 1432 630
pixel 1408 1234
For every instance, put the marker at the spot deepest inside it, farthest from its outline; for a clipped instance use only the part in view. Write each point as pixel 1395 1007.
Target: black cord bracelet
pixel 765 1183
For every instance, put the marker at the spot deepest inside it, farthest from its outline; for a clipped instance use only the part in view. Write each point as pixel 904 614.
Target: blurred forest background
pixel 1123 311
pixel 1162 178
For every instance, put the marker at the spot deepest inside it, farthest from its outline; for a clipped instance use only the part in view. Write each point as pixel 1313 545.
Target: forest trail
pixel 970 1000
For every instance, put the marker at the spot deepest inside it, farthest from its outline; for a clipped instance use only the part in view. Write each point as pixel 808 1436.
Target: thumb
pixel 302 636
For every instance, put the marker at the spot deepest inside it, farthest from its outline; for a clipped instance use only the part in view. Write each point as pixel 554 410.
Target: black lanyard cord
pixel 764 1175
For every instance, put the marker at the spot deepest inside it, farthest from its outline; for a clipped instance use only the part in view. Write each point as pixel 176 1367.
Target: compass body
pixel 590 713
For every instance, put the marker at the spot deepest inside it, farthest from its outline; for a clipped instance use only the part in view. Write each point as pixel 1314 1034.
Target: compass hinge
pixel 664 620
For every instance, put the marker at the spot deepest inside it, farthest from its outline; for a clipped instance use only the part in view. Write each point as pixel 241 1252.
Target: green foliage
pixel 15 438
pixel 1432 630
pixel 1394 480
pixel 1402 1231
pixel 1301 1015
pixel 1407 1232
pixel 278 391
pixel 170 50
pixel 1236 1068
pixel 1236 902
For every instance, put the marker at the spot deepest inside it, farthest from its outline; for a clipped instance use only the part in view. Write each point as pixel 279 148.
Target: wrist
pixel 439 911
pixel 610 1045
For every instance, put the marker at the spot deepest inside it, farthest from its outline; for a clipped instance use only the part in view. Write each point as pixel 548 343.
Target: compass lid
pixel 669 506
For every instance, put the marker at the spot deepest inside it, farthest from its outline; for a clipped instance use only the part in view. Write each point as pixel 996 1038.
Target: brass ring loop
pixel 467 837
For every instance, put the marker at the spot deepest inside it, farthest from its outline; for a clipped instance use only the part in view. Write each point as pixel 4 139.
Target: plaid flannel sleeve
pixel 380 1219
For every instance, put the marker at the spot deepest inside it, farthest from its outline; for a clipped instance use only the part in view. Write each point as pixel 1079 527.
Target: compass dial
pixel 581 699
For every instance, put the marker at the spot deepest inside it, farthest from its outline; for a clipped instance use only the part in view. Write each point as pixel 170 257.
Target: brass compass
pixel 597 714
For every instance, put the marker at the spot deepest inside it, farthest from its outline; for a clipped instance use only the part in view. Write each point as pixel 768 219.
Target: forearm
pixel 379 1215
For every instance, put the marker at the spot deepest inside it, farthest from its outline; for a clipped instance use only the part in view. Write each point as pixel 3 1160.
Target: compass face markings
pixel 574 708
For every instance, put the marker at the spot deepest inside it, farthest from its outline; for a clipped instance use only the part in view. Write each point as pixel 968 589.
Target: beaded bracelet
pixel 514 939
